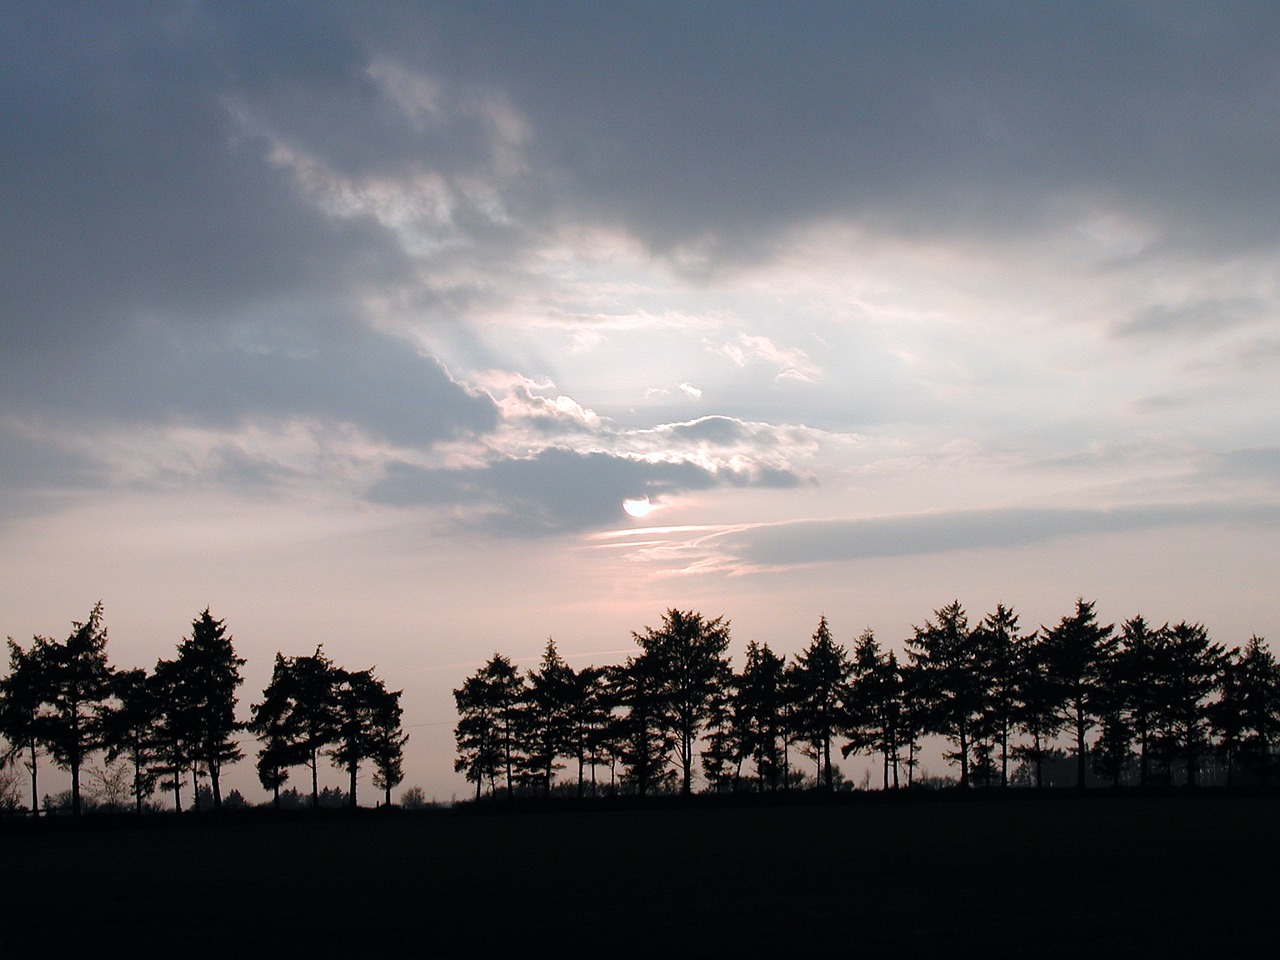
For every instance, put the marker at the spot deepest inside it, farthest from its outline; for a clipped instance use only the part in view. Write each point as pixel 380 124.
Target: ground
pixel 1077 876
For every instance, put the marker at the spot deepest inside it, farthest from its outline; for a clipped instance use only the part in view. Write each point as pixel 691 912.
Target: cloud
pixel 1194 318
pixel 824 541
pixel 556 491
pixel 792 363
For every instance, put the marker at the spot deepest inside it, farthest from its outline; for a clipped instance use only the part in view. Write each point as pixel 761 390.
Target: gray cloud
pixel 558 491
pixel 822 541
pixel 1194 318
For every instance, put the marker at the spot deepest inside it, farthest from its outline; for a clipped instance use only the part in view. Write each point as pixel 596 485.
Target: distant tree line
pixel 1139 704
pixel 176 727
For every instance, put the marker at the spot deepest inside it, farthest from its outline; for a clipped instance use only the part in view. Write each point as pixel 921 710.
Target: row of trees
pixel 1137 704
pixel 177 724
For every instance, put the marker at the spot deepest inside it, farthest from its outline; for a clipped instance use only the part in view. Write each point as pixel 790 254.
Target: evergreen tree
pixel 77 684
pixel 999 646
pixel 1077 650
pixel 476 733
pixel 1036 703
pixel 873 705
pixel 640 732
pixel 175 734
pixel 129 729
pixel 1196 668
pixel 270 724
pixel 312 718
pixel 760 694
pixel 388 740
pixel 819 682
pixel 587 718
pixel 547 721
pixel 1248 713
pixel 355 697
pixel 687 655
pixel 22 694
pixel 1136 675
pixel 948 656
pixel 211 675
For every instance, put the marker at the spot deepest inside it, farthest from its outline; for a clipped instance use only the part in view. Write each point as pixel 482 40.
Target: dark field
pixel 1054 877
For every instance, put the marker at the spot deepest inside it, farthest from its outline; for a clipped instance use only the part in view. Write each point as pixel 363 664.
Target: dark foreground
pixel 1055 877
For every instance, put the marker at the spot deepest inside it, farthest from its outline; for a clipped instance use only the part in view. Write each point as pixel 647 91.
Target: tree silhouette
pixel 874 705
pixel 550 692
pixel 588 720
pixel 640 733
pixel 1135 675
pixel 1196 668
pixel 388 740
pixel 1248 713
pixel 22 694
pixel 356 695
pixel 490 719
pixel 948 656
pixel 1077 649
pixel 687 655
pixel 999 649
pixel 270 724
pixel 761 712
pixel 311 718
pixel 819 682
pixel 77 683
pixel 175 734
pixel 210 675
pixel 129 729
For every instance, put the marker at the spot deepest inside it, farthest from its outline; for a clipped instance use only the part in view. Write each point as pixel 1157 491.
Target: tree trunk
pixel 1079 745
pixel 214 771
pixel 355 771
pixel 35 793
pixel 964 756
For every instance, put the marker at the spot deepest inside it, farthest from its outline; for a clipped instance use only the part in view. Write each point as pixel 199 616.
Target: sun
pixel 638 507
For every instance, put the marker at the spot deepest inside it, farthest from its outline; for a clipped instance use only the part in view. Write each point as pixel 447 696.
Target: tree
pixel 1136 675
pixel 760 693
pixel 874 705
pixel 77 683
pixel 211 674
pixel 175 732
pixel 1077 649
pixel 388 740
pixel 948 656
pixel 1248 713
pixel 129 729
pixel 1196 668
pixel 357 695
pixel 640 733
pixel 550 691
pixel 819 682
pixel 269 724
pixel 999 646
pixel 311 719
pixel 587 720
pixel 687 656
pixel 1036 701
pixel 490 714
pixel 21 697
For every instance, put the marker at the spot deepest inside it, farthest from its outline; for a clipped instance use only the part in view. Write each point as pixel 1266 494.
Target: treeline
pixel 1135 704
pixel 176 726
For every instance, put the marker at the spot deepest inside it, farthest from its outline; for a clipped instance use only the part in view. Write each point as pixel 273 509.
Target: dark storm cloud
pixel 822 541
pixel 558 491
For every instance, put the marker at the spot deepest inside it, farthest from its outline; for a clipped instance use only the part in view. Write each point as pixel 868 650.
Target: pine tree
pixel 948 656
pixel 1077 649
pixel 820 681
pixel 547 721
pixel 211 675
pixel 1196 668
pixel 687 654
pixel 130 729
pixel 22 694
pixel 760 693
pixel 270 724
pixel 1248 714
pixel 77 684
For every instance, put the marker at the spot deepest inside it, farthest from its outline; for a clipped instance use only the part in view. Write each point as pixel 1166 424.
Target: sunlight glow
pixel 637 508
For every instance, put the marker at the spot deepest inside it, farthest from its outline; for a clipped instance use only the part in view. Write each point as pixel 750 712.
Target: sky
pixel 359 324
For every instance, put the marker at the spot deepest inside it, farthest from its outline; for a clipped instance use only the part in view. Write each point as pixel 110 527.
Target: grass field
pixel 1065 876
